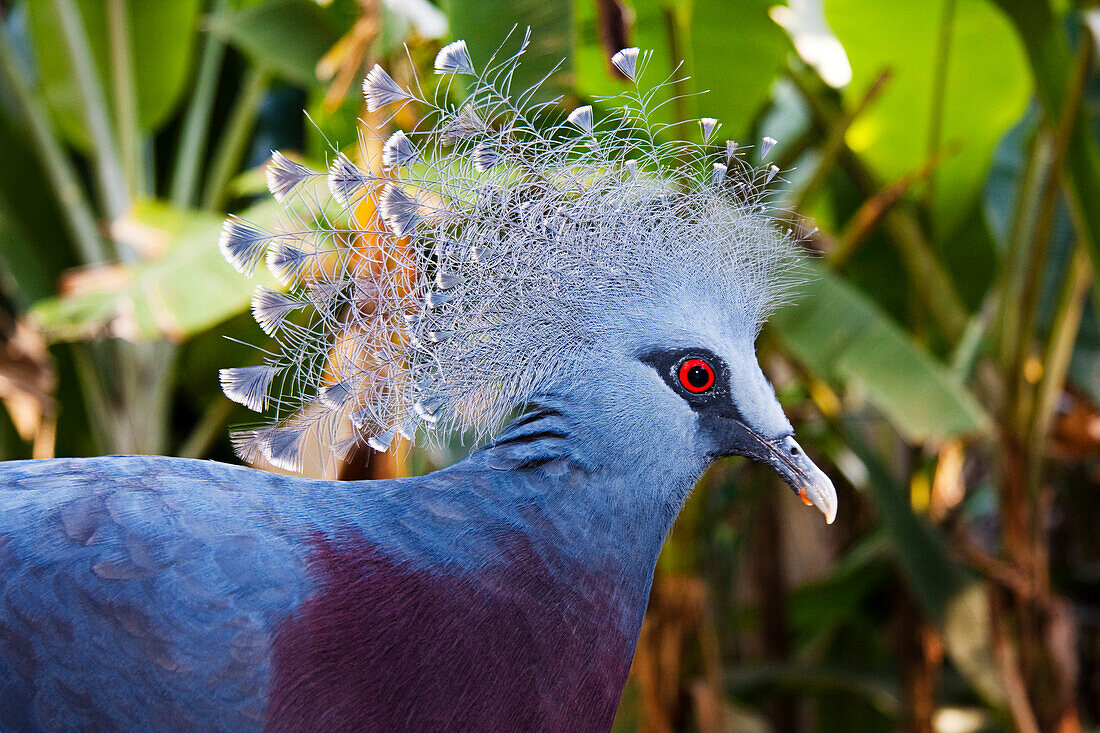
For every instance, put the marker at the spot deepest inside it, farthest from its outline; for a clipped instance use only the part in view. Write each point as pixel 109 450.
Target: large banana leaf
pixel 737 51
pixel 33 242
pixel 550 22
pixel 1041 29
pixel 185 290
pixel 845 339
pixel 288 37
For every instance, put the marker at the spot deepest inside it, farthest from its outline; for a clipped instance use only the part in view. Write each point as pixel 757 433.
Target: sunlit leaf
pixel 551 24
pixel 737 51
pixel 653 22
pixel 33 243
pixel 806 679
pixel 987 85
pixel 968 637
pixel 288 37
pixel 935 578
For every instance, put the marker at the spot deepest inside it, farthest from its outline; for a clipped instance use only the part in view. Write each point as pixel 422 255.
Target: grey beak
pixel 810 482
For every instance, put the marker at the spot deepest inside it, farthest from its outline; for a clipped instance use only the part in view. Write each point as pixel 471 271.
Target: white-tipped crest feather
pixel 626 61
pixel 382 441
pixel 485 156
pixel 708 125
pixel 284 176
pixel 248 385
pixel 271 308
pixel 380 89
pixel 454 58
pixel 282 446
pixel 347 181
pixel 242 244
pixel 582 118
pixel 399 151
pixel 399 210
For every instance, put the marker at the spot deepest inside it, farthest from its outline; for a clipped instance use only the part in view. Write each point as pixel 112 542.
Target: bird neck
pixel 584 514
pixel 614 507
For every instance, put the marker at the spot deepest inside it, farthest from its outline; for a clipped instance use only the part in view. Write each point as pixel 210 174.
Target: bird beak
pixel 795 467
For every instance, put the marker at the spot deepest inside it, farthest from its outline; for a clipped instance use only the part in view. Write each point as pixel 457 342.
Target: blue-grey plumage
pixel 146 593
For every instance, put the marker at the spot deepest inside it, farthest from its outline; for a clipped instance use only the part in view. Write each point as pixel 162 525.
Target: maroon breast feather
pixel 533 642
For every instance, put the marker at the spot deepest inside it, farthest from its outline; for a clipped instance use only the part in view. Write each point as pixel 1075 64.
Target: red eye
pixel 696 376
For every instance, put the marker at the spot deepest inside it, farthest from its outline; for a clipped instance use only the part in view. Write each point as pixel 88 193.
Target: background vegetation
pixel 944 366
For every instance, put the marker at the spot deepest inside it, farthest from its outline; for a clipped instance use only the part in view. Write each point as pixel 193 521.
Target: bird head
pixel 499 256
pixel 669 380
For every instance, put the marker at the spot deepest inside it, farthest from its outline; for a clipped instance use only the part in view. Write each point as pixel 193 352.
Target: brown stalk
pixel 873 210
pixel 1044 632
pixel 921 652
pixel 833 146
pixel 930 281
pixel 343 63
pixel 614 20
pixel 1008 665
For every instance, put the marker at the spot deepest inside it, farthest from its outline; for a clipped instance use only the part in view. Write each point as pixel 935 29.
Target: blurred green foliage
pixel 943 362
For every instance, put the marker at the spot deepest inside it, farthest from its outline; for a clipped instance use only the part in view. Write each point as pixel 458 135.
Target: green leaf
pixel 162 36
pixel 1039 24
pixel 968 636
pixel 817 607
pixel 947 591
pixel 700 35
pixel 737 51
pixel 551 23
pixel 986 88
pixel 845 339
pixel 287 37
pixel 185 291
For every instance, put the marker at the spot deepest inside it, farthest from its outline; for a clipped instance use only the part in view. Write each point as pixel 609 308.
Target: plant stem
pixel 76 210
pixel 929 279
pixel 101 418
pixel 939 90
pixel 1044 223
pixel 113 191
pixel 210 425
pixel 831 149
pixel 673 29
pixel 1010 280
pixel 227 160
pixel 146 379
pixel 125 93
pixel 196 127
pixel 1063 337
